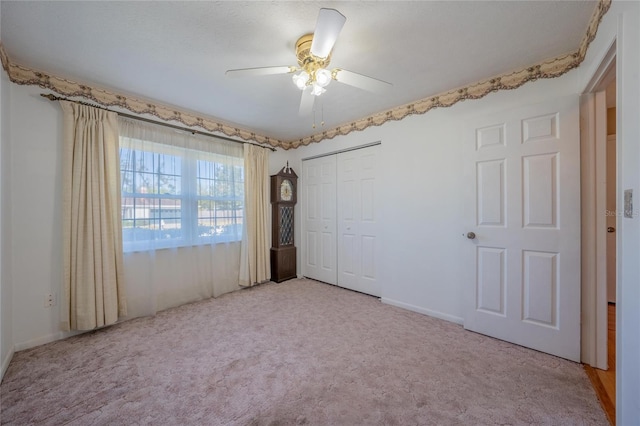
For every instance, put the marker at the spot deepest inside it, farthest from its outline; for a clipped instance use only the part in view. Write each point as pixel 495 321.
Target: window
pixel 174 196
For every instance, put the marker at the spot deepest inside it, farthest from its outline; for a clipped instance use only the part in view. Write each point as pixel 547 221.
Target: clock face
pixel 286 190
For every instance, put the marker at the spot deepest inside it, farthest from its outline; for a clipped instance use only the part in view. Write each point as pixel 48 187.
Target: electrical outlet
pixel 50 300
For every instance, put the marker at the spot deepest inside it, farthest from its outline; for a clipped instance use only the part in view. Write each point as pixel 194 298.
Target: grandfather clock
pixel 284 194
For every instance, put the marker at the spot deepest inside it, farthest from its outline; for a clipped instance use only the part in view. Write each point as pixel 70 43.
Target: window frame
pixel 188 196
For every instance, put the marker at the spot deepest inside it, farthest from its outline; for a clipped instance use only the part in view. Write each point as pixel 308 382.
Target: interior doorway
pixel 607 378
pixel 600 214
pixel 611 187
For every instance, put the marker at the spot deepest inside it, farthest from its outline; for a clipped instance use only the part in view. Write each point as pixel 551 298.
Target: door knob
pixel 611 229
pixel 471 235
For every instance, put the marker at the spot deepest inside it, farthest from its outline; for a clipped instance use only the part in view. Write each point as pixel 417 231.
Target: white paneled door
pixel 358 244
pixel 340 219
pixel 319 219
pixel 524 218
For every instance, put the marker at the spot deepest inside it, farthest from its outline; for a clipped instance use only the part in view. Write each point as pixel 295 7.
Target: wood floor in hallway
pixel 603 381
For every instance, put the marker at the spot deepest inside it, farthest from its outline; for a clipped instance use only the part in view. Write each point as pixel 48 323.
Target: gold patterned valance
pixel 547 69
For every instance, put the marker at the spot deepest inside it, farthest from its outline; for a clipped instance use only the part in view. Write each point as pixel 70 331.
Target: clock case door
pixel 283 250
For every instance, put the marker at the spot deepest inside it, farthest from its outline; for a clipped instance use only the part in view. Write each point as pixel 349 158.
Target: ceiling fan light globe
pixel 323 77
pixel 300 80
pixel 301 84
pixel 317 90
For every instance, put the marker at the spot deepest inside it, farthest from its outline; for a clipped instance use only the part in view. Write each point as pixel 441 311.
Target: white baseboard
pixel 6 361
pixel 424 311
pixel 44 339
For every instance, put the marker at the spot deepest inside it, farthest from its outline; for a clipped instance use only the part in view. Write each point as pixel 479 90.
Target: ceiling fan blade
pixel 360 81
pixel 306 103
pixel 251 72
pixel 328 27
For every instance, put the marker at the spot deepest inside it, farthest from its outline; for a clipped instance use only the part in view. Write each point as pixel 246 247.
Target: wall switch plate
pixel 628 203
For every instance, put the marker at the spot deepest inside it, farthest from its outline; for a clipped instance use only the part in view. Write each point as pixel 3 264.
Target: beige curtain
pixel 92 230
pixel 201 258
pixel 254 254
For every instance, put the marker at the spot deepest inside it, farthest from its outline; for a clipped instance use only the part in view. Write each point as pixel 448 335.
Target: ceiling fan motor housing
pixel 306 60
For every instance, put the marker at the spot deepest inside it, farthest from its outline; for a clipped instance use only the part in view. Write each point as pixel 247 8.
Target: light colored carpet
pixel 299 352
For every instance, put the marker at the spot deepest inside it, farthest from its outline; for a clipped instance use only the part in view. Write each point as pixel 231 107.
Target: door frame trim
pixel 593 139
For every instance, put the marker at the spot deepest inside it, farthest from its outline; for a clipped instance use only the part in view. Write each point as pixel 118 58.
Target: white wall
pixel 6 296
pixel 35 210
pixel 423 196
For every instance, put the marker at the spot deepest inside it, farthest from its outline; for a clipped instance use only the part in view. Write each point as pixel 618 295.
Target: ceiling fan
pixel 314 54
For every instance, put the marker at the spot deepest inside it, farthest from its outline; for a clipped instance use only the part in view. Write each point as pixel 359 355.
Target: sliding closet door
pixel 357 202
pixel 319 219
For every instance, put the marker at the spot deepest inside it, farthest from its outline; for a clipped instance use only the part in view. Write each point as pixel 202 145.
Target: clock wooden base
pixel 283 264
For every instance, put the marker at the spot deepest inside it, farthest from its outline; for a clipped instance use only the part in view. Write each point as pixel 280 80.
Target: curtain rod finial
pixel 49 96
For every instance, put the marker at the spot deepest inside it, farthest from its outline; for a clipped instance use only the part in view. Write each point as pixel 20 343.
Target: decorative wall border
pixel 508 81
pixel 26 76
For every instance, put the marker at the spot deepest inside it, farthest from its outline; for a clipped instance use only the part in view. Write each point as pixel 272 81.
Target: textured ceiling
pixel 177 52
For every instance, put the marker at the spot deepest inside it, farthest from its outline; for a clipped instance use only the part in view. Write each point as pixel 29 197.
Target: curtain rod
pixel 53 97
